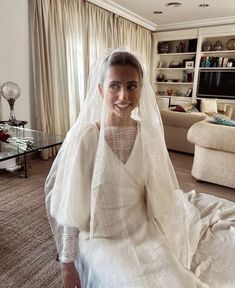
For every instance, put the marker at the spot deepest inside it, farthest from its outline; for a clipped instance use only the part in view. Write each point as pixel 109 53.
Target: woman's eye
pixel 131 87
pixel 115 87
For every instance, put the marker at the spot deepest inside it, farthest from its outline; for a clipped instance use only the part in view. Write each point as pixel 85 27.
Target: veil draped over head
pixel 93 180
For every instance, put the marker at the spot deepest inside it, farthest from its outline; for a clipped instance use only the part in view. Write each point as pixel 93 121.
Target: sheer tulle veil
pixel 81 186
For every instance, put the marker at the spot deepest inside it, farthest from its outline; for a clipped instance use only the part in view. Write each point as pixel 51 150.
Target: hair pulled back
pixel 121 58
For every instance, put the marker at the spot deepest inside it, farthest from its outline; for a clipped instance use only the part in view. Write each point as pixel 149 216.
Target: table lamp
pixel 11 91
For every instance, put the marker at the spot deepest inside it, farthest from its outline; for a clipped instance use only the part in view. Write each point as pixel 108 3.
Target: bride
pixel 114 204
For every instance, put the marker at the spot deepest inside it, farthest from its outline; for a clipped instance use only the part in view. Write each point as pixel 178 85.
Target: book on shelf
pixel 213 62
pixel 220 64
pixel 225 61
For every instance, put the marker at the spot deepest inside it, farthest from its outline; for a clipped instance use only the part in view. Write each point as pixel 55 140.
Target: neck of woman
pixel 114 120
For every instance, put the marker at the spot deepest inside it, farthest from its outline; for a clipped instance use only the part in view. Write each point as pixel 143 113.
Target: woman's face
pixel 121 90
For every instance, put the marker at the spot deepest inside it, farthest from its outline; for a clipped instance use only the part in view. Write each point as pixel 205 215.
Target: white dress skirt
pixel 143 259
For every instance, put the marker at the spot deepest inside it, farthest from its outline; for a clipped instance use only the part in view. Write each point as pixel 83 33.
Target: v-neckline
pixel 132 150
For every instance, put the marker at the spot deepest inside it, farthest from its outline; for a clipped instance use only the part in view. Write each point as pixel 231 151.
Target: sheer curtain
pixel 66 37
pixel 107 30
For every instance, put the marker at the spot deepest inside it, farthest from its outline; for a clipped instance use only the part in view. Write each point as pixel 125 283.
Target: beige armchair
pixel 214 158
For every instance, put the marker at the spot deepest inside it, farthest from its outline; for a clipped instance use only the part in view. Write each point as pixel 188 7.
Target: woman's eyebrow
pixel 133 82
pixel 115 82
pixel 118 82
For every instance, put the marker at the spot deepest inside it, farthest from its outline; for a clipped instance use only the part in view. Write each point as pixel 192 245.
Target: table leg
pixel 25 167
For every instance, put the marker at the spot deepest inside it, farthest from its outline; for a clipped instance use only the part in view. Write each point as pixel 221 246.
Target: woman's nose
pixel 123 95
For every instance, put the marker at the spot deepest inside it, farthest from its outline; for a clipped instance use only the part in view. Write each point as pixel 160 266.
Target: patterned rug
pixel 27 249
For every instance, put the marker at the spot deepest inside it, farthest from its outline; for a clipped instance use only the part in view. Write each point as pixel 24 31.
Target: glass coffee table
pixel 34 141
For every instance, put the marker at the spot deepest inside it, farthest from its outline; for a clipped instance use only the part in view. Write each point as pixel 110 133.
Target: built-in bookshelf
pixel 179 56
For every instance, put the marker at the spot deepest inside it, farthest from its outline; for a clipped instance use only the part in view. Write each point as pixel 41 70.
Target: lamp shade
pixel 10 90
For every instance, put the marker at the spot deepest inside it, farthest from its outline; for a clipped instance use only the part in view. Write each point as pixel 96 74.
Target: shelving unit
pixel 216 55
pixel 163 62
pixel 218 52
pixel 216 68
pixel 171 66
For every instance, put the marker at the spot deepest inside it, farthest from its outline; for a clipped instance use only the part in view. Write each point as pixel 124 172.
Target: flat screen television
pixel 216 84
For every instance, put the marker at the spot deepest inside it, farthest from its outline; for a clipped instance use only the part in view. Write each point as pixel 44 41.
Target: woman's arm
pixel 70 276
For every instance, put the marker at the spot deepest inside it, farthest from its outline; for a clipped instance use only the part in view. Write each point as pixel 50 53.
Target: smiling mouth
pixel 122 105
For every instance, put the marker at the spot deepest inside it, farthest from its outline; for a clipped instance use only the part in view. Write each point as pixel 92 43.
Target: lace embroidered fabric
pixel 70 244
pixel 115 138
pixel 121 141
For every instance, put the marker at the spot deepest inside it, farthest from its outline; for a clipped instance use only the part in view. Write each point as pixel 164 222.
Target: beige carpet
pixel 27 250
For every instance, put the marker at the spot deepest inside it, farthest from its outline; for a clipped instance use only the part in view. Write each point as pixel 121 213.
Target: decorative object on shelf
pixel 188 60
pixel 180 48
pixel 217 46
pixel 206 46
pixel 160 77
pixel 175 64
pixel 169 91
pixel 161 92
pixel 164 47
pixel 189 77
pixel 230 45
pixel 189 92
pixel 189 64
pixel 185 76
pixel 161 64
pixel 11 91
pixel 230 63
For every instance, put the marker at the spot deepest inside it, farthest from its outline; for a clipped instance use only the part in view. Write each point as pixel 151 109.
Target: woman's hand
pixel 70 276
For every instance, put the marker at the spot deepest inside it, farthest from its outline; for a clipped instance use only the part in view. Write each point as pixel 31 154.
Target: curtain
pixel 66 37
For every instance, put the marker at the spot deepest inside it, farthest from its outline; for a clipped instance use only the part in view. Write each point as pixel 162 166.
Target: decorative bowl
pixel 230 45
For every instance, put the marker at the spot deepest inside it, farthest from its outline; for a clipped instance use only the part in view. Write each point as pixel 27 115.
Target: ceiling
pixel 188 15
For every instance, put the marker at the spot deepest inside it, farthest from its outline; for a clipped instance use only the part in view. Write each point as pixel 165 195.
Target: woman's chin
pixel 123 113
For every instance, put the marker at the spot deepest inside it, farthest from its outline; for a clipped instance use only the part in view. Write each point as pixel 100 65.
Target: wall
pixel 14 55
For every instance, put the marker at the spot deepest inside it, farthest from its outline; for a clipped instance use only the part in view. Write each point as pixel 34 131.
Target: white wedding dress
pixel 111 259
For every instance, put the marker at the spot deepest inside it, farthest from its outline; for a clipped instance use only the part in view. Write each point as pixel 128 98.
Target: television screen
pixel 218 84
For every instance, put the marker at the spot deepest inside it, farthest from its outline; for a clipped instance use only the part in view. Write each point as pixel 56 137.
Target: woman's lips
pixel 122 105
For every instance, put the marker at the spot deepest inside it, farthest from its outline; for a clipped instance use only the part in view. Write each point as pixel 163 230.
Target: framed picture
pixel 189 64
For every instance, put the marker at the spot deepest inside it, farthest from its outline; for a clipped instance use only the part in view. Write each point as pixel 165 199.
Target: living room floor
pixel 27 248
pixel 183 164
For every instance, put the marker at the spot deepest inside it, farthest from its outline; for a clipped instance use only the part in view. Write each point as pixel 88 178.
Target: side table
pixel 18 123
pixel 41 140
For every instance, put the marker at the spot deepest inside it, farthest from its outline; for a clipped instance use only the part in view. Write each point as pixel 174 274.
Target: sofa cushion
pixel 178 108
pixel 223 121
pixel 208 106
pixel 230 111
pixel 183 107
